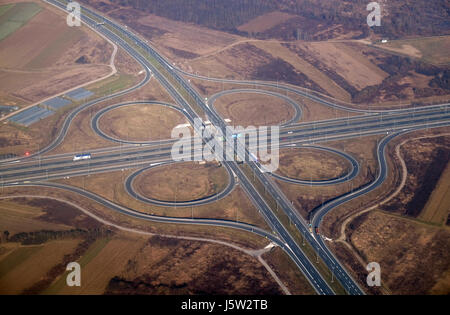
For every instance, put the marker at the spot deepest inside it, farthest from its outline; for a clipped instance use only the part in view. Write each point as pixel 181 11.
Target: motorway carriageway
pixel 313 131
pixel 139 156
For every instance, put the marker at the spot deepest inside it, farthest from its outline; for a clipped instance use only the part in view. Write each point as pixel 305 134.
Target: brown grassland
pixel 411 251
pixel 18 139
pixel 265 22
pixel 277 50
pixel 249 109
pixel 430 49
pixel 110 186
pixel 137 264
pixel 346 61
pixel 141 122
pixel 306 198
pixel 29 270
pixel 414 257
pixel 426 160
pixel 238 237
pixel 165 266
pixel 24 218
pixel 183 181
pixel 311 164
pixel 176 40
pixel 437 209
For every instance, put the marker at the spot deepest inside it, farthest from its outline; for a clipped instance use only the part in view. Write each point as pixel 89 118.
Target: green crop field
pixel 16 257
pixel 90 254
pixel 433 49
pixel 13 17
pixel 111 85
pixel 5 8
pixel 55 48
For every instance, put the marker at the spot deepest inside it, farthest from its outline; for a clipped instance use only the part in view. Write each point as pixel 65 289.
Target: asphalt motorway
pixel 133 156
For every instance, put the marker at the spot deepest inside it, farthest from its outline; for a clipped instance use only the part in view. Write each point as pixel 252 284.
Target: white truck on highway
pixel 81 157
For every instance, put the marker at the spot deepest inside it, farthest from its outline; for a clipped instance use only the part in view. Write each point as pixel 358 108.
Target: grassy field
pixel 24 218
pixel 431 49
pixel 114 253
pixel 250 109
pixel 81 136
pixel 52 51
pixel 39 59
pixel 141 122
pixel 311 111
pixel 265 22
pixel 178 41
pixel 347 61
pixel 108 185
pixel 14 16
pixel 387 232
pixel 310 164
pixel 31 263
pixel 4 8
pixel 111 85
pixel 17 139
pixel 15 258
pixel 279 51
pixel 119 253
pixel 90 254
pixel 186 181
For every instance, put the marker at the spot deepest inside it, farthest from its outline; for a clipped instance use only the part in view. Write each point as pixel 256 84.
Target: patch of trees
pixel 398 67
pixel 82 60
pixel 409 17
pixel 414 17
pixel 40 237
pixel 441 80
pixel 163 241
pixel 60 268
pixel 4 236
pixel 145 284
pixel 389 87
pixel 402 65
pixel 218 14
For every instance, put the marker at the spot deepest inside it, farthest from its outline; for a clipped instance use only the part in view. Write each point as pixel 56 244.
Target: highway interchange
pixel 39 169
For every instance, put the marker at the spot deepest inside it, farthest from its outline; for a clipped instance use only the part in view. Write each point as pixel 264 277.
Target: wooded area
pixel 409 17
